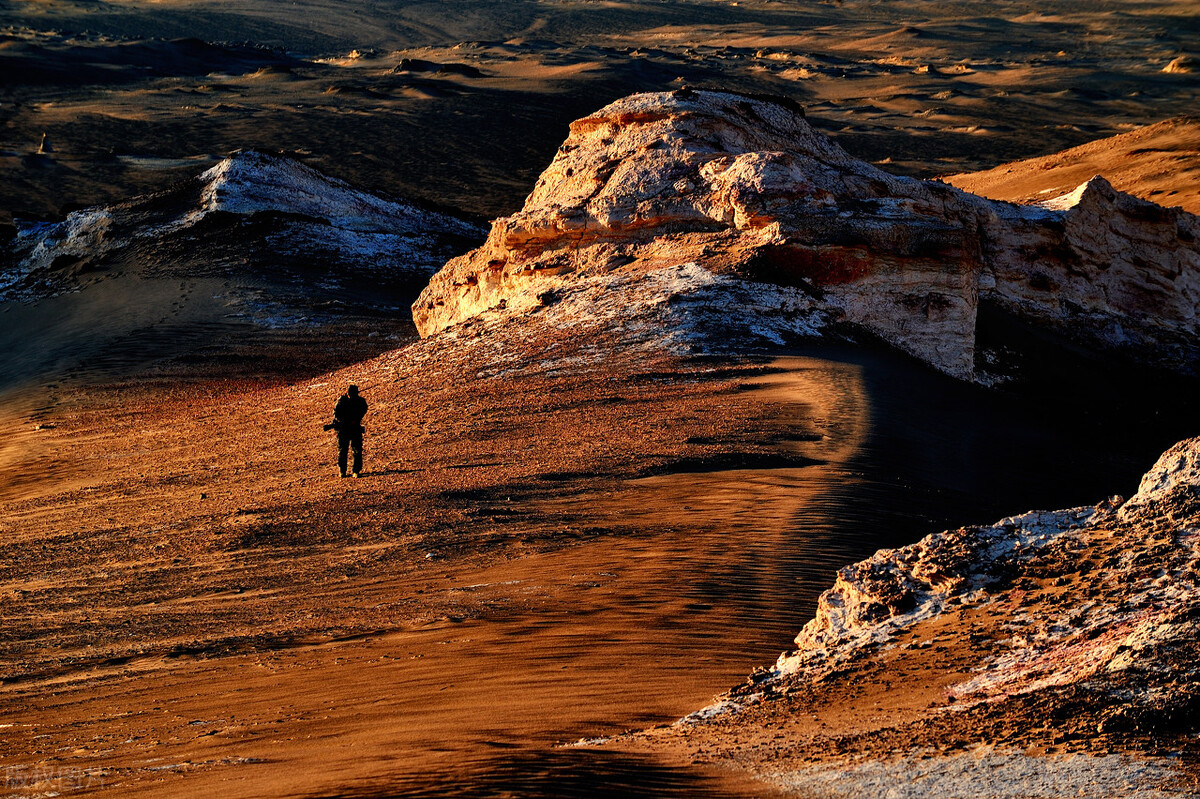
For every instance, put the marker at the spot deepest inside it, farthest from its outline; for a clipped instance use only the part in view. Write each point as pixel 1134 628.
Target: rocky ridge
pixel 1052 651
pixel 230 272
pixel 250 215
pixel 744 189
pixel 1100 598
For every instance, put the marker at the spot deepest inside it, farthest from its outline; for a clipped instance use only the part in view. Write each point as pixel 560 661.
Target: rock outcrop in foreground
pixel 1052 651
pixel 743 190
pixel 1107 596
pixel 1101 602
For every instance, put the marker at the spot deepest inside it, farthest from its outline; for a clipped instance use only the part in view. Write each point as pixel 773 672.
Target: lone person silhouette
pixel 347 420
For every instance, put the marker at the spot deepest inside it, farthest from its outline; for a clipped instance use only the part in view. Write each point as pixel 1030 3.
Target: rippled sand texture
pixel 464 103
pixel 543 550
pixel 549 545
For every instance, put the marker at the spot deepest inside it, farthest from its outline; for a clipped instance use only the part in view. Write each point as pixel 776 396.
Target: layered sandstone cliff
pixel 745 190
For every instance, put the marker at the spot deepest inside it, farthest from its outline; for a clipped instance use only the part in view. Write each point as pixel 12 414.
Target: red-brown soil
pixel 1160 163
pixel 196 604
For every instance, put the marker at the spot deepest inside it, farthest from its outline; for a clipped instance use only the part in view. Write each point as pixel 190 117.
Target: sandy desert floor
pixel 545 548
pixel 212 610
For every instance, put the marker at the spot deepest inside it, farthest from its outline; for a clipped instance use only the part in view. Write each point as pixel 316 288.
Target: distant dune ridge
pixel 737 190
pixel 1160 163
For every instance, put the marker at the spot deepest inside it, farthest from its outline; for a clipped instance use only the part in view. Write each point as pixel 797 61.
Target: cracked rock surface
pixel 744 188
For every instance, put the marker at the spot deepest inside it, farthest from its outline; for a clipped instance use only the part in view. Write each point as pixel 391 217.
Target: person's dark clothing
pixel 349 413
pixel 346 442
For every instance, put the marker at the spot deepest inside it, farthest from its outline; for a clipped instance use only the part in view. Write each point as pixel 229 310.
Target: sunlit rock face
pixel 1104 267
pixel 746 189
pixel 1102 597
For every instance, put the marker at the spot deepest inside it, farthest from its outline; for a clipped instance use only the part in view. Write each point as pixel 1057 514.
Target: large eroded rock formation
pixel 745 188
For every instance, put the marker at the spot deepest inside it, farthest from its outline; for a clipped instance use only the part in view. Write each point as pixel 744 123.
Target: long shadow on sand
pixel 561 772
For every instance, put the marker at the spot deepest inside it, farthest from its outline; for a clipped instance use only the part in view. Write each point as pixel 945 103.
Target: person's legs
pixel 357 444
pixel 343 447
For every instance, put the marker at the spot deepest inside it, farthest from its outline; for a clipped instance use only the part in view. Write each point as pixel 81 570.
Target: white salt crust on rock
pixel 745 187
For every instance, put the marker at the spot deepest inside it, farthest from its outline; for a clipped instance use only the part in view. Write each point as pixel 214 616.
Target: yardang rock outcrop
pixel 250 215
pixel 257 253
pixel 1101 598
pixel 979 661
pixel 744 188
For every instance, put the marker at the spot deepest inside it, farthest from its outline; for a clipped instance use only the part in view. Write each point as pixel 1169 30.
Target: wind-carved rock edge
pixel 308 225
pixel 1105 599
pixel 740 190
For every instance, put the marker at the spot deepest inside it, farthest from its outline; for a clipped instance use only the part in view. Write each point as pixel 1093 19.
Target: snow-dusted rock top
pixel 744 186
